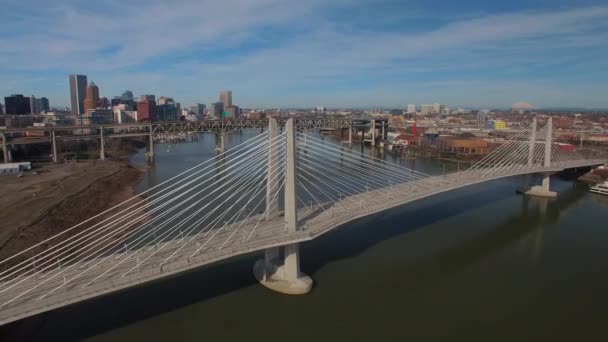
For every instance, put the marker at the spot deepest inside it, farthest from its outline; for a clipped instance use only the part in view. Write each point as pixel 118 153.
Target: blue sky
pixel 335 53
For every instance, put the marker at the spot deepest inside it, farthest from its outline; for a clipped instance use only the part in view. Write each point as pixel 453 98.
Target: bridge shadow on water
pixel 112 311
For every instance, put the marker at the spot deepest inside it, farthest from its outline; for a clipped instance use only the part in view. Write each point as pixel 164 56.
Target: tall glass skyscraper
pixel 78 88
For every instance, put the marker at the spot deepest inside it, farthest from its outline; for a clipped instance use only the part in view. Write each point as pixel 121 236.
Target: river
pixel 479 263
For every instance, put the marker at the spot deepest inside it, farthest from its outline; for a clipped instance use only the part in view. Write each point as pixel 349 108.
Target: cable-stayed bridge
pixel 267 194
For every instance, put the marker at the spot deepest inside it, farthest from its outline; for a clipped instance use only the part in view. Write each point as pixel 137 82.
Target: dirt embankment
pixel 36 207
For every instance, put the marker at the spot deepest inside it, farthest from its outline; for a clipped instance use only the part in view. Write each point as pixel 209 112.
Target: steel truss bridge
pixel 269 194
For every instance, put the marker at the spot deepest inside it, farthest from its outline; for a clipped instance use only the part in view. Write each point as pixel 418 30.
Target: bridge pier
pixel 5 149
pixel 373 132
pixel 280 268
pixel 150 154
pixel 220 145
pixel 54 146
pixel 542 190
pixel 102 152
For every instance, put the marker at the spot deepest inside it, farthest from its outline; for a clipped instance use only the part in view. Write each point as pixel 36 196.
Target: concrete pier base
pixel 542 190
pixel 282 276
pixel 272 277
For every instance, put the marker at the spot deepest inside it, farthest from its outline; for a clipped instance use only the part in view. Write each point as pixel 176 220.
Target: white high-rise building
pixel 427 109
pixel 437 108
pixel 411 108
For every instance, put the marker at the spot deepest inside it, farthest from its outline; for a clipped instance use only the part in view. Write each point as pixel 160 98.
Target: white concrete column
pixel 350 133
pixel 272 182
pixel 373 132
pixel 292 262
pixel 102 153
pixel 150 155
pixel 383 132
pixel 532 143
pixel 272 186
pixel 548 142
pixel 54 146
pixel 291 214
pixel 5 148
pixel 546 184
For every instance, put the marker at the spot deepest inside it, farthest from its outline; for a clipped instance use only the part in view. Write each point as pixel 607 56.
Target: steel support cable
pixel 514 155
pixel 246 143
pixel 340 190
pixel 367 176
pixel 257 190
pixel 75 277
pixel 382 162
pixel 280 169
pixel 235 173
pixel 320 191
pixel 127 256
pixel 523 156
pixel 300 183
pixel 46 280
pixel 501 159
pixel 352 187
pixel 240 182
pixel 254 186
pixel 362 177
pixel 96 232
pixel 243 222
pixel 236 230
pixel 490 157
pixel 369 159
pixel 321 153
pixel 278 189
pixel 264 214
pixel 396 179
pixel 507 161
pixel 81 236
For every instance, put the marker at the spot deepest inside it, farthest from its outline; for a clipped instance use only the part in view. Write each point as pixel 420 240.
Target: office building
pixel 411 108
pixel 215 110
pixel 427 109
pixel 148 97
pixel 166 112
pixel 38 106
pixel 125 116
pixel 17 104
pixel 226 98
pixel 98 116
pixel 42 105
pixel 91 101
pixel 78 88
pixel 197 108
pixel 165 100
pixel 233 112
pixel 146 108
pixel 1 109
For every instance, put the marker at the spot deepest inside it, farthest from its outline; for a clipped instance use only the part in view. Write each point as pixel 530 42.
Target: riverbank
pixel 36 207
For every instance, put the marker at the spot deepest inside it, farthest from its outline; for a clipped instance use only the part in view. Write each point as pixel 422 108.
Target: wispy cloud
pixel 297 52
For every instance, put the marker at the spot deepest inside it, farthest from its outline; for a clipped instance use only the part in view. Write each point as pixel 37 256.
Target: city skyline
pixel 304 54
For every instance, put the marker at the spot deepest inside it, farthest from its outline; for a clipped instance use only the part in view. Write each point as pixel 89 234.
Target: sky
pixel 294 53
